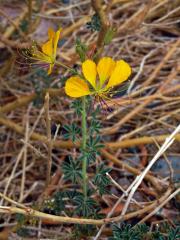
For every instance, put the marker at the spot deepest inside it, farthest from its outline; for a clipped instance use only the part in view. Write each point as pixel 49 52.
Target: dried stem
pixel 30 15
pixel 163 148
pixel 68 144
pixel 84 142
pixel 49 140
pixel 98 8
pixel 24 160
pixel 59 219
pixel 160 206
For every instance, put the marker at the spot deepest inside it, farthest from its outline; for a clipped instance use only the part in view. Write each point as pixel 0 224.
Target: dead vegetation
pixel 142 117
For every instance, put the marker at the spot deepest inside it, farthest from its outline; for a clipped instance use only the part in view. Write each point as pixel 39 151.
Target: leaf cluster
pixel 95 23
pixel 72 170
pixel 93 148
pixel 40 80
pixel 72 132
pixel 77 107
pixel 142 232
pixel 81 49
pixel 101 180
pixel 79 205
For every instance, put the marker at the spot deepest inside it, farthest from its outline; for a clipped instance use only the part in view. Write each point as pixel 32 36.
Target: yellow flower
pixel 47 53
pixel 110 74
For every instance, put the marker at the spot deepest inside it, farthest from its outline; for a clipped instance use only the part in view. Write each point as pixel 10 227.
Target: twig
pixel 13 172
pixel 25 156
pixel 68 144
pixel 35 150
pixel 9 31
pixel 171 170
pixel 14 44
pixel 30 15
pixel 49 141
pixel 115 183
pixel 3 196
pixel 98 8
pixel 25 100
pixel 168 55
pixel 131 169
pixel 135 20
pixel 113 209
pixel 134 111
pixel 21 33
pixel 163 148
pixel 140 70
pixel 59 219
pixel 160 206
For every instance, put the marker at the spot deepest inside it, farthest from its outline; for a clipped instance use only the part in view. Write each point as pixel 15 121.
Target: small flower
pixel 110 74
pixel 47 53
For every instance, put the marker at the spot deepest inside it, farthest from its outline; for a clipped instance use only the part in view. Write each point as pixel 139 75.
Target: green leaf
pixel 95 126
pixel 81 49
pixel 83 231
pixel 23 232
pixel 20 218
pixel 157 236
pixel 95 23
pixel 94 144
pixel 93 148
pixel 101 180
pixel 125 232
pixel 58 203
pixel 142 229
pixel 84 206
pixel 109 36
pixel 71 194
pixel 96 112
pixel 72 132
pixel 142 232
pixel 77 106
pixel 72 170
pixel 174 234
pixel 24 25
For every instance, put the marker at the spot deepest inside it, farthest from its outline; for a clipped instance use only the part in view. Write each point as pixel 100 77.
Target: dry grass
pixel 148 38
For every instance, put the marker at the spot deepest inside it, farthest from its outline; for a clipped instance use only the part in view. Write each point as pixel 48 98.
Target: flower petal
pixel 55 41
pixel 104 68
pixel 47 48
pixel 120 74
pixel 51 33
pixel 89 71
pixel 76 87
pixel 50 68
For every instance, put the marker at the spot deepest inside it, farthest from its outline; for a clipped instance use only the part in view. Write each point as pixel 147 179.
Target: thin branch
pixel 24 159
pixel 60 219
pixel 163 148
pixel 49 140
pixel 160 206
pixel 98 8
pixel 68 144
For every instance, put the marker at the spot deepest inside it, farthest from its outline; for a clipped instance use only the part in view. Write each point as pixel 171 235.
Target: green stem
pixel 72 70
pixel 84 141
pixel 64 66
